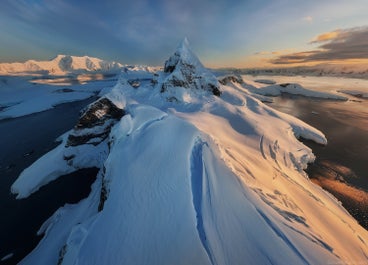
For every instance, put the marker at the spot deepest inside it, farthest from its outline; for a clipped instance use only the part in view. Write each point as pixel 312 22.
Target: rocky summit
pixel 184 69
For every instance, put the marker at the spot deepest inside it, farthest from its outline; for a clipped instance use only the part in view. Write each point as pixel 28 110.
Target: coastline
pixel 340 167
pixel 23 141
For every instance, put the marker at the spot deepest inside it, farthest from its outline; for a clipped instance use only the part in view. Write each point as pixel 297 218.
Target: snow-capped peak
pixel 183 56
pixel 185 70
pixel 184 42
pixel 61 65
pixel 59 57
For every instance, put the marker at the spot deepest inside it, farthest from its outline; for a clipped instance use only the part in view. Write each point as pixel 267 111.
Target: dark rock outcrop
pixel 65 63
pixel 98 112
pixel 224 80
pixel 95 123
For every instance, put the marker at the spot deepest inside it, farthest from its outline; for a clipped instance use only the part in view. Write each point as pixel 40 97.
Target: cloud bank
pixel 333 46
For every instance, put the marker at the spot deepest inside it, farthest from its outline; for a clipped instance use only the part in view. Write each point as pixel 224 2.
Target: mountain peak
pixel 186 71
pixel 184 44
pixel 182 55
pixel 59 56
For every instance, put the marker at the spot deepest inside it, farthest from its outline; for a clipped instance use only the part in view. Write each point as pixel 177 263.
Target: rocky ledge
pixel 95 123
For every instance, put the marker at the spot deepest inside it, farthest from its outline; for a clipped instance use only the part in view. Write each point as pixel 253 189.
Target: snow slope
pixel 209 178
pixel 60 65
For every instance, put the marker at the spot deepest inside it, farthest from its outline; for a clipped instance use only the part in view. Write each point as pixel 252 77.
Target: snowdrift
pixel 208 178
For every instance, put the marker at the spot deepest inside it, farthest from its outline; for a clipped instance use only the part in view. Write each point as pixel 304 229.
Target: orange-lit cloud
pixel 337 45
pixel 327 36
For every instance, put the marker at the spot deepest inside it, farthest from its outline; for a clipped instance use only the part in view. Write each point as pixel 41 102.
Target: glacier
pixel 192 171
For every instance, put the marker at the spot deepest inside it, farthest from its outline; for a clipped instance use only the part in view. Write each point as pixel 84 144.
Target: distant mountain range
pixel 338 70
pixel 61 65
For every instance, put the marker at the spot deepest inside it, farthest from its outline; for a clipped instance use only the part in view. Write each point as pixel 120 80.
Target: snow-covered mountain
pixel 60 65
pixel 186 71
pixel 190 175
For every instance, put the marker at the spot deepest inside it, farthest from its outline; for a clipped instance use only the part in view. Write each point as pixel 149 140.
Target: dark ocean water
pixel 22 141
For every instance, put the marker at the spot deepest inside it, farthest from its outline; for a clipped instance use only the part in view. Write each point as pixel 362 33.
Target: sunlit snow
pixel 207 178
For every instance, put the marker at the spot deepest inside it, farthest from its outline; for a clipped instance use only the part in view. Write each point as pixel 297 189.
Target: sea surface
pixel 22 141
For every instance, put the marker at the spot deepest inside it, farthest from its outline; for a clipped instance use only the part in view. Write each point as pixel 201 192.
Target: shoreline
pixel 339 167
pixel 24 140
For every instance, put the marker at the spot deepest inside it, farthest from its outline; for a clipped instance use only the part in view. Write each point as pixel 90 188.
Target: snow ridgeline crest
pixel 185 70
pixel 216 182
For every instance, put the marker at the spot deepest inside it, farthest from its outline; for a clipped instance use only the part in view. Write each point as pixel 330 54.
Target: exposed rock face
pixel 98 112
pixel 230 78
pixel 95 124
pixel 285 84
pixel 65 63
pixel 90 65
pixel 185 70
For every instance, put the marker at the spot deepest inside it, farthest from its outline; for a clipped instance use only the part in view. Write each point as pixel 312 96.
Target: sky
pixel 238 33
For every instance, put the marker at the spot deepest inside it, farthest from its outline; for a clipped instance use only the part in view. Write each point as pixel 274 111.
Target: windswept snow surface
pixel 208 180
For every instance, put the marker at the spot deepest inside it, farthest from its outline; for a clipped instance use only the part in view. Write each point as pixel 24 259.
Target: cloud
pixel 327 36
pixel 262 53
pixel 270 53
pixel 336 45
pixel 309 19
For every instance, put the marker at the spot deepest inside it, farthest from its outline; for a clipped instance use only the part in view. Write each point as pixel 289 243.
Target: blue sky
pixel 222 33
